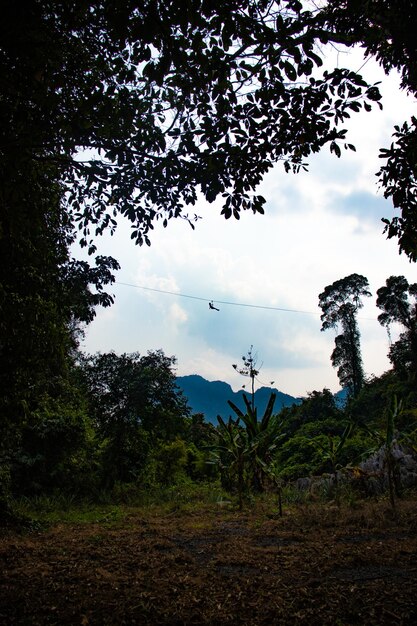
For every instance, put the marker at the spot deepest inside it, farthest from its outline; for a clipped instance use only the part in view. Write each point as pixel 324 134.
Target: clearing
pixel 316 565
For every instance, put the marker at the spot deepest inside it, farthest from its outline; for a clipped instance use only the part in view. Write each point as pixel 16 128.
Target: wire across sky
pixel 225 302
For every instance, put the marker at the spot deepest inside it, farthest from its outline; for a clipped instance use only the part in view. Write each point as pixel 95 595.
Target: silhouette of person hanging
pixel 212 307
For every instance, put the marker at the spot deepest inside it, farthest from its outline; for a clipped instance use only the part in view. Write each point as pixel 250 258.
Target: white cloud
pixel 177 314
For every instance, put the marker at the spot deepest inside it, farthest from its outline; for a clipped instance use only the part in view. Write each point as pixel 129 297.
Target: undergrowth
pixel 113 507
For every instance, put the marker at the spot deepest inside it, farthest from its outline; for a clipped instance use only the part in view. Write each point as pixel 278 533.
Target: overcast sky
pixel 318 227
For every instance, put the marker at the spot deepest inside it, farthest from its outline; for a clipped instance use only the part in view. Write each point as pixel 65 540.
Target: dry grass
pixel 317 564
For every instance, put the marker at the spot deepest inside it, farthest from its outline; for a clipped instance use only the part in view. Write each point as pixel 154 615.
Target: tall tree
pixel 340 303
pixel 398 302
pixel 44 297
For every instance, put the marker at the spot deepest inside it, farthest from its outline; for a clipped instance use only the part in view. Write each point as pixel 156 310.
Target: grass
pixel 47 510
pixel 111 508
pixel 114 506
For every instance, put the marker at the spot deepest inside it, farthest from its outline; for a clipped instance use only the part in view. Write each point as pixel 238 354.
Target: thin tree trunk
pixel 391 482
pixel 280 500
pixel 240 483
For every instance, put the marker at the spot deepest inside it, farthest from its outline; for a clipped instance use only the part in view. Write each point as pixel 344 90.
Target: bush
pixel 171 461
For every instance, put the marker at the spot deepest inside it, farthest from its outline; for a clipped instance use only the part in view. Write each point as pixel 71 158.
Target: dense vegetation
pixel 120 424
pixel 116 110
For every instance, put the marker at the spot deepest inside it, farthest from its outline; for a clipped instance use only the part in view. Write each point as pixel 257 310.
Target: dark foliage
pixel 398 301
pixel 340 302
pixel 134 405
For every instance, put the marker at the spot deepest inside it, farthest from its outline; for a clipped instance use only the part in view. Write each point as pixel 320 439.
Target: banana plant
pixel 262 437
pixel 231 451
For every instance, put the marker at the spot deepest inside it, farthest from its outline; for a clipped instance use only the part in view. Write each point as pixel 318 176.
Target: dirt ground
pixel 317 566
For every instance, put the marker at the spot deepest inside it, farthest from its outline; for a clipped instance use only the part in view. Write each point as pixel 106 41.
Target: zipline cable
pixel 226 302
pixel 242 304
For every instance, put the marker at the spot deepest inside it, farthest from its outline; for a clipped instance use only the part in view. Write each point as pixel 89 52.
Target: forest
pixel 131 111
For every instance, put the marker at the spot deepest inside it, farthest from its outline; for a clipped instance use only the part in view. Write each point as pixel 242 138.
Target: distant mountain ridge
pixel 210 397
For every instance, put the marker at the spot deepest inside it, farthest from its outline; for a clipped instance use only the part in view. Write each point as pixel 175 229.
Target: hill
pixel 210 397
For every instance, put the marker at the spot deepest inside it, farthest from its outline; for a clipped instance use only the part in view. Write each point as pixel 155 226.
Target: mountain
pixel 341 398
pixel 210 397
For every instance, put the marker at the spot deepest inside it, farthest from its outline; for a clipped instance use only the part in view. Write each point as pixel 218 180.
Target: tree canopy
pixel 134 405
pixel 140 105
pixel 398 302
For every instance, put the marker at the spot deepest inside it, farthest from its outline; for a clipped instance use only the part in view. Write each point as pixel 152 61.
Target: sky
pixel 318 227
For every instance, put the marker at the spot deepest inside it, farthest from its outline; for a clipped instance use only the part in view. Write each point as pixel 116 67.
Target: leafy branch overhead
pixel 140 106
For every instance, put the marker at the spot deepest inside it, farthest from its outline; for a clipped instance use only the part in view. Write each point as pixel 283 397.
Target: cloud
pixel 368 208
pixel 178 314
